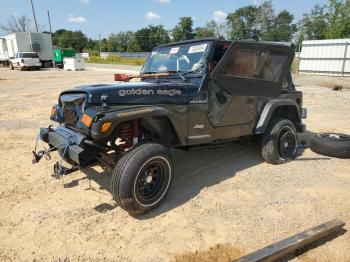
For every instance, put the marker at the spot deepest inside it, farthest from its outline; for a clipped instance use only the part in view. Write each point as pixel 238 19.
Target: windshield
pixel 180 58
pixel 28 55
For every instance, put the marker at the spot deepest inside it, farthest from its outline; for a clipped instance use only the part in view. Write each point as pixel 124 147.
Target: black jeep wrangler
pixel 192 93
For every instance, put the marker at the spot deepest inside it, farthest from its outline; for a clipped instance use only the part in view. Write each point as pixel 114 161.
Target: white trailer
pixel 4 57
pixel 27 42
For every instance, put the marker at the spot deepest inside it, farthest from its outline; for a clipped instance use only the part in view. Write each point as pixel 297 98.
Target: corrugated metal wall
pixel 325 57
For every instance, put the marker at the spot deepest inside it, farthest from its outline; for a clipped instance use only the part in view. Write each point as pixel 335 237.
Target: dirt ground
pixel 224 203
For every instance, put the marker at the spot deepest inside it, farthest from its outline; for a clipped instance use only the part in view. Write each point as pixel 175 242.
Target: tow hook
pixel 38 156
pixel 59 170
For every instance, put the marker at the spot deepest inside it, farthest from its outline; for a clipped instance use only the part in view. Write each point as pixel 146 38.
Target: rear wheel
pixel 20 67
pixel 279 143
pixel 142 178
pixel 11 66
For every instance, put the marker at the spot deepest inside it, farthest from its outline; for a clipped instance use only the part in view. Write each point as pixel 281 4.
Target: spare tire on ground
pixel 331 144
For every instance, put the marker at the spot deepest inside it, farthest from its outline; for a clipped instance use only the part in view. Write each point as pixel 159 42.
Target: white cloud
pixel 76 19
pixel 163 1
pixel 152 16
pixel 85 2
pixel 219 17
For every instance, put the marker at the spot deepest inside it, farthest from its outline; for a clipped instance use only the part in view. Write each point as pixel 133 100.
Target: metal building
pixel 325 57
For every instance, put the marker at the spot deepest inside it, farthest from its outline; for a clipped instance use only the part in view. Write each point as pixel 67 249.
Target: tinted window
pixel 254 63
pixel 28 55
pixel 270 65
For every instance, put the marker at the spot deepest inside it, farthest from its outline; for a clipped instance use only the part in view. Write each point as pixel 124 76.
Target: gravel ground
pixel 224 203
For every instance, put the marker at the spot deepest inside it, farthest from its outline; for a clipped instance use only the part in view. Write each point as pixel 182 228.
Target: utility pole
pixel 99 42
pixel 36 24
pixel 53 58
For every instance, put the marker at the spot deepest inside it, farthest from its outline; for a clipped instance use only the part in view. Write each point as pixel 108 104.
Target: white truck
pixel 26 42
pixel 25 60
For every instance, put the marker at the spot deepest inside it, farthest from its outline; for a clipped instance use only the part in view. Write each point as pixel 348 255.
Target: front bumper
pixel 70 145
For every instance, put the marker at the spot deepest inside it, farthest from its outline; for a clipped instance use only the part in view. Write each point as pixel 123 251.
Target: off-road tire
pixel 129 171
pixel 20 68
pixel 11 66
pixel 271 141
pixel 331 144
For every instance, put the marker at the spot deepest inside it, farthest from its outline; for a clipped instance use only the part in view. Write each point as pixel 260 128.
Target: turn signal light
pixel 86 120
pixel 105 127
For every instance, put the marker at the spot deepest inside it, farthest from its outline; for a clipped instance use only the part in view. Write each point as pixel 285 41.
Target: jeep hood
pixel 137 93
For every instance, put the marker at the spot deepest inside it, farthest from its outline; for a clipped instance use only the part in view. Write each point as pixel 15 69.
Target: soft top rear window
pixel 28 55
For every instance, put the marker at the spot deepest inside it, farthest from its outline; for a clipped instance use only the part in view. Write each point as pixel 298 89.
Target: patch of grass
pixel 117 60
pixel 295 65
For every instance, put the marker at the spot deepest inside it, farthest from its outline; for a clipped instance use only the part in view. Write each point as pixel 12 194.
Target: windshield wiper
pixel 181 75
pixel 193 71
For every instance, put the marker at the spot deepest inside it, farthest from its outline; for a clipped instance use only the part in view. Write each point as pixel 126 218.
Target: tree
pixel 338 19
pixel 220 30
pixel 283 28
pixel 204 31
pixel 16 24
pixel 314 24
pixel 70 39
pixel 261 22
pixel 265 20
pixel 123 42
pixel 242 23
pixel 149 37
pixel 183 30
pixel 326 22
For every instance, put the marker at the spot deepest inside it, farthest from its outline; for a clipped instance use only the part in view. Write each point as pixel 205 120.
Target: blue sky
pixel 95 17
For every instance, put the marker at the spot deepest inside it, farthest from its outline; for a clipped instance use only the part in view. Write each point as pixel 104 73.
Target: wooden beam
pixel 288 245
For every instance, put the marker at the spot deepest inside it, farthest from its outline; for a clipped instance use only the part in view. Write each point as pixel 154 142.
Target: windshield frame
pixel 198 72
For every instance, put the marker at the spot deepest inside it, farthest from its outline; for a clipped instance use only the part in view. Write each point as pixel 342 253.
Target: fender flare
pixel 117 117
pixel 270 108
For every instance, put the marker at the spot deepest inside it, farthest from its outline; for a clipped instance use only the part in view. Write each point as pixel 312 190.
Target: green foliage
pixel 70 39
pixel 261 22
pixel 183 30
pixel 326 22
pixel 116 60
pixel 242 23
pixel 122 42
pixel 149 37
pixel 202 32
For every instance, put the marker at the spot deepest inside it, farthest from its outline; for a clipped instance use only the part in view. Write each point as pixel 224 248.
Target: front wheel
pixel 11 66
pixel 279 143
pixel 142 178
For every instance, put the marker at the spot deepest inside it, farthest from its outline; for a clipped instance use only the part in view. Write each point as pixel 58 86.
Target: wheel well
pixel 289 112
pixel 159 128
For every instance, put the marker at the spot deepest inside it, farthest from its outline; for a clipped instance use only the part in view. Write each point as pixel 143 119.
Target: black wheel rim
pixel 286 143
pixel 335 136
pixel 152 181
